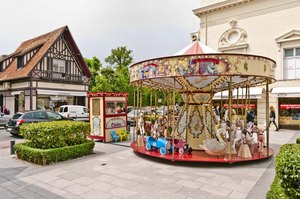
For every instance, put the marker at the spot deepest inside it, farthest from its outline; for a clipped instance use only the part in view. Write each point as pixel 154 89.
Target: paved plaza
pixel 115 171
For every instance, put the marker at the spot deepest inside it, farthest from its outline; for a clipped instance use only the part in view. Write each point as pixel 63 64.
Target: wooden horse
pixel 141 124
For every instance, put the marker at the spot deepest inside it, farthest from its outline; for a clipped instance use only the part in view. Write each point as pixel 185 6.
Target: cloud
pixel 149 28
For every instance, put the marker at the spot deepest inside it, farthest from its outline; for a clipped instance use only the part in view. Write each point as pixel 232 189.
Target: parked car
pixel 74 111
pixel 129 108
pixel 32 116
pixel 4 119
pixel 132 116
pixel 162 111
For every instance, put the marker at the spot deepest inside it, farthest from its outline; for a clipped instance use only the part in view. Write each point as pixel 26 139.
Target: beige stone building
pixel 267 28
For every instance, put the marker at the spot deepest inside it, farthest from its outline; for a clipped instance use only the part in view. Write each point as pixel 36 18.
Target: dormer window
pixel 59 65
pixel 1 66
pixel 20 62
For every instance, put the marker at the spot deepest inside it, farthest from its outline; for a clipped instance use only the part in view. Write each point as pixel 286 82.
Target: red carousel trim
pixel 202 156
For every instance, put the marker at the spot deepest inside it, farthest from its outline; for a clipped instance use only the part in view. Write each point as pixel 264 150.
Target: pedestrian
pixel 273 117
pixel 5 110
pixel 250 115
pixel 217 111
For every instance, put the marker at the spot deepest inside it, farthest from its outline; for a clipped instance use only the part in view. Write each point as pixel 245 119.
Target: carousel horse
pixel 141 124
pixel 238 136
pixel 155 132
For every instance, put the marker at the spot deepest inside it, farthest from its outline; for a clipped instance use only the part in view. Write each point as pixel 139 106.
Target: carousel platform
pixel 202 156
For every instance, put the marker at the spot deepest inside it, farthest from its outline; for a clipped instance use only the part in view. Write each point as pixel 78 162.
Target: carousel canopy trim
pixel 203 72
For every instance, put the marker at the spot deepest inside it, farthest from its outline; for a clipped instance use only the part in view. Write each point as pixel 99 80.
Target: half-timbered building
pixel 44 73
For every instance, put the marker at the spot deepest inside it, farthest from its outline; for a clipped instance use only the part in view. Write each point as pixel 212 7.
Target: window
pixel 59 65
pixel 1 66
pixel 53 116
pixel 292 63
pixel 115 107
pixel 39 115
pixel 20 62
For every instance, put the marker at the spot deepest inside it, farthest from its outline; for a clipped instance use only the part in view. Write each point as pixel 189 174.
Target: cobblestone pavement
pixel 115 171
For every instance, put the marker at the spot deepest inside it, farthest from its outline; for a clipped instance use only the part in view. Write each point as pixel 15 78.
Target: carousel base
pixel 202 156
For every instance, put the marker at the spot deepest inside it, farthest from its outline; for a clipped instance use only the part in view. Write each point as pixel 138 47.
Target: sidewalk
pixel 114 171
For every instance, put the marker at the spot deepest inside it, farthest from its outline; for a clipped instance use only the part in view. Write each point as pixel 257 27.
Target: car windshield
pixel 134 112
pixel 17 115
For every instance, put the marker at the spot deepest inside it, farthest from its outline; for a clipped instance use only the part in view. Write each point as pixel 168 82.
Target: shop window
pixel 115 108
pixel 292 63
pixel 289 113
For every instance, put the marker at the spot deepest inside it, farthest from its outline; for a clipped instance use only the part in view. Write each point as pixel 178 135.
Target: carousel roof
pixel 200 69
pixel 196 48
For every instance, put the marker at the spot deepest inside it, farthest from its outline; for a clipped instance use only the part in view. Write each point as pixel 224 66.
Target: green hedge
pixel 276 191
pixel 287 171
pixel 298 140
pixel 47 156
pixel 47 135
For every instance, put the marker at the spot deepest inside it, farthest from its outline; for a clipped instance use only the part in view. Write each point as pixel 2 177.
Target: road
pixel 7 137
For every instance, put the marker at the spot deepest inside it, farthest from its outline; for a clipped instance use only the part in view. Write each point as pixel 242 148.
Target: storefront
pixel 289 113
pixel 52 100
pixel 239 102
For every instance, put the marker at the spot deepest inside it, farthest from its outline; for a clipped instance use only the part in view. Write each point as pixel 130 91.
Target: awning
pixel 255 93
pixel 58 98
pixel 64 93
pixel 286 91
pixel 16 92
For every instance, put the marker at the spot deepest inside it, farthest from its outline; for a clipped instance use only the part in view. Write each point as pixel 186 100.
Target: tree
pixel 120 57
pixel 94 65
pixel 119 60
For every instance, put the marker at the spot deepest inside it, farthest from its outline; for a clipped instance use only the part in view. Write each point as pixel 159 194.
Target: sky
pixel 150 28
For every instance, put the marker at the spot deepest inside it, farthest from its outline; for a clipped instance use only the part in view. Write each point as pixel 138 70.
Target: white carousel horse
pixel 141 124
pixel 214 147
pixel 155 132
pixel 238 136
pixel 251 128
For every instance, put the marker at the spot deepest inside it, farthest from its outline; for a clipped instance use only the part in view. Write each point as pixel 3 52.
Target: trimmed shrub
pixel 48 156
pixel 298 140
pixel 288 169
pixel 276 191
pixel 48 135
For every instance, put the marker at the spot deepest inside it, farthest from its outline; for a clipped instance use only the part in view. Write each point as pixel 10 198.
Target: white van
pixel 74 111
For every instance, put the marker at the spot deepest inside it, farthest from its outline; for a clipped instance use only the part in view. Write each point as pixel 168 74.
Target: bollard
pixel 12 143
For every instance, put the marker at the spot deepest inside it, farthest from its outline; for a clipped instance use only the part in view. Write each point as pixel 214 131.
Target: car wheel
pixel 148 146
pixel 163 151
pixel 181 151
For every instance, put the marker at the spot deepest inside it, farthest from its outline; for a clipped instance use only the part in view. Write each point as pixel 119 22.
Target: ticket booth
pixel 108 111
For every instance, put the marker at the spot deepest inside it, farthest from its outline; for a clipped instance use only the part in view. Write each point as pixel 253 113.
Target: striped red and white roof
pixel 196 48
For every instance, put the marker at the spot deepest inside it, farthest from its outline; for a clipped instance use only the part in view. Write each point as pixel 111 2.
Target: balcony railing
pixel 43 74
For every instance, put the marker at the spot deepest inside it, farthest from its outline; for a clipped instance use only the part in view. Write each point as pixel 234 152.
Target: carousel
pixel 194 131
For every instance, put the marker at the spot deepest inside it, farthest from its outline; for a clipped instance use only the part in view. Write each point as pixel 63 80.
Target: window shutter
pixel 49 63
